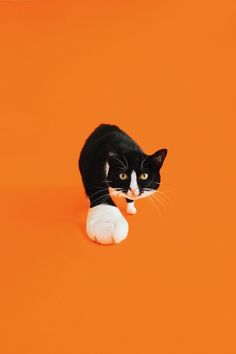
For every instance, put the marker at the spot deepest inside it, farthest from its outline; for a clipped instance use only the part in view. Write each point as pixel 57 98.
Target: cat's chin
pixel 131 198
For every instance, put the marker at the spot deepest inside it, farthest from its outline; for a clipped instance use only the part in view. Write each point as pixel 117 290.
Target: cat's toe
pixel 121 230
pixel 101 232
pixel 131 209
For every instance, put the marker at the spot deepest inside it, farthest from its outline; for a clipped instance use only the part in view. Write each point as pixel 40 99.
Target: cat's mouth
pixel 131 197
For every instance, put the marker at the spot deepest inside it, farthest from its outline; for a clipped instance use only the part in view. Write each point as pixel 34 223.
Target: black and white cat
pixel 111 163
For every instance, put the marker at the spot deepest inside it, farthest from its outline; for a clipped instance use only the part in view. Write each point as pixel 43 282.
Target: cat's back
pixel 110 137
pixel 104 132
pixel 103 140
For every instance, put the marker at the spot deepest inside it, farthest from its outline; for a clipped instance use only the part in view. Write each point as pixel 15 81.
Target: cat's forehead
pixel 134 157
pixel 131 161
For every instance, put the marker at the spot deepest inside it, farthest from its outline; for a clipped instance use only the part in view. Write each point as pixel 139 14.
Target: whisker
pixel 160 193
pixel 127 165
pixel 156 207
pixel 161 201
pixel 143 160
pixel 155 199
pixel 116 158
pixel 104 197
pixel 165 191
pixel 163 195
pixel 100 191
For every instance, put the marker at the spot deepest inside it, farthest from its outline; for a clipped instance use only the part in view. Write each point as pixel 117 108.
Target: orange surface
pixel 165 72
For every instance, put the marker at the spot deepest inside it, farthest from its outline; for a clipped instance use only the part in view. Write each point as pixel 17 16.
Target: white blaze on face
pixel 134 190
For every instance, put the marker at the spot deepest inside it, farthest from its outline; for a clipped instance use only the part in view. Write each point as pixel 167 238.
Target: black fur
pixel 108 143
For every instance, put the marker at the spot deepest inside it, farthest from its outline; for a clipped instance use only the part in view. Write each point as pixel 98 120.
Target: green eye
pixel 123 176
pixel 143 176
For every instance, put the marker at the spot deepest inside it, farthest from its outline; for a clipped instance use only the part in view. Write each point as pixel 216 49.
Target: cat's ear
pixel 159 157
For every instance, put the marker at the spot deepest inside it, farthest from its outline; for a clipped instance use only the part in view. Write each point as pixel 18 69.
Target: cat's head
pixel 134 175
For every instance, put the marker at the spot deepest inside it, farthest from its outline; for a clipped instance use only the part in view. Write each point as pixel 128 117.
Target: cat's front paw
pixel 106 224
pixel 131 209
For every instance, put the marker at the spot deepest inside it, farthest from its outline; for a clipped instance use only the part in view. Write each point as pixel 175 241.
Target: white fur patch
pixel 107 169
pixel 131 208
pixel 133 185
pixel 106 224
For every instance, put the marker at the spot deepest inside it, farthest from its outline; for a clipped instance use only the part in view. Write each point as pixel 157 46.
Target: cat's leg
pixel 106 224
pixel 130 207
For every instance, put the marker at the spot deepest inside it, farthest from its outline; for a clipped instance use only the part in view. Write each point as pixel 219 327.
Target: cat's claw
pixel 106 224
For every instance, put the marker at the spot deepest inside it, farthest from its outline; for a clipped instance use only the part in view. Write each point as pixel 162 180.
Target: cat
pixel 112 163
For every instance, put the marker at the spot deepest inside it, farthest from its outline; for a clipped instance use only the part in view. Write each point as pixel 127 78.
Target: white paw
pixel 106 224
pixel 131 209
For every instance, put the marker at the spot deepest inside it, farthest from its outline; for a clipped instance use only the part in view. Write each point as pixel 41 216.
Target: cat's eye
pixel 123 176
pixel 144 176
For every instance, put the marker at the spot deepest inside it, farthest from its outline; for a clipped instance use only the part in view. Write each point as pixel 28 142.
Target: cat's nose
pixel 134 191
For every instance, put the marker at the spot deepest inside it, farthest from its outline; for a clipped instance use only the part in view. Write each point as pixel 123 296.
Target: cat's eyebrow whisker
pixel 116 158
pixel 143 160
pixel 127 165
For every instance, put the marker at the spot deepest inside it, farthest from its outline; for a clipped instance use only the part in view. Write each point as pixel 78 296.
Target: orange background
pixel 165 72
